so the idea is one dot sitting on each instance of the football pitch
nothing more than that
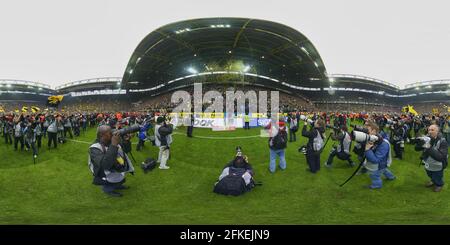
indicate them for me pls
(58, 189)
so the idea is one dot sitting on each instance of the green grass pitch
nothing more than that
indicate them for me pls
(58, 189)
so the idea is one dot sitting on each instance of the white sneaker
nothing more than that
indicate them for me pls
(35, 156)
(164, 167)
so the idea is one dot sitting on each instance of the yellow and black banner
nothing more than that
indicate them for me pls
(410, 109)
(54, 100)
(24, 109)
(35, 109)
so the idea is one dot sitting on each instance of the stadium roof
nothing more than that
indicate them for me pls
(200, 46)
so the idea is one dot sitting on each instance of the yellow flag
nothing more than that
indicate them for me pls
(24, 109)
(35, 109)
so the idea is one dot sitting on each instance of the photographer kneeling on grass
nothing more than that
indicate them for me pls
(108, 163)
(434, 156)
(378, 156)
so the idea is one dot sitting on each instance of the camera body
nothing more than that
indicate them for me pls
(420, 142)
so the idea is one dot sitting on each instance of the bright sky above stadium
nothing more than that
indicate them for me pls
(56, 42)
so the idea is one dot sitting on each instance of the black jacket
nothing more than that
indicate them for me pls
(311, 134)
(103, 161)
(438, 155)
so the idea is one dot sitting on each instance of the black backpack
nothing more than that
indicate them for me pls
(233, 184)
(149, 164)
(280, 140)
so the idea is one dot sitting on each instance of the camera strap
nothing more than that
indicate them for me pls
(354, 173)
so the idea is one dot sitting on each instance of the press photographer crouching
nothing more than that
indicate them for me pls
(342, 151)
(107, 161)
(434, 156)
(377, 154)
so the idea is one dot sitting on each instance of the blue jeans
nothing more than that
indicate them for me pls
(273, 158)
(437, 177)
(375, 176)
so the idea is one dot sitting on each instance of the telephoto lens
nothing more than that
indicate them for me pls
(129, 130)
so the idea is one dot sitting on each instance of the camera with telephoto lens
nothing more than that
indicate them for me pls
(421, 142)
(238, 151)
(359, 128)
(128, 130)
(304, 118)
(362, 137)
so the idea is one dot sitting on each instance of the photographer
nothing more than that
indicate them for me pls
(342, 151)
(8, 129)
(434, 156)
(30, 137)
(67, 124)
(236, 177)
(108, 163)
(293, 128)
(378, 157)
(163, 139)
(143, 135)
(315, 144)
(52, 131)
(397, 136)
(19, 126)
(277, 145)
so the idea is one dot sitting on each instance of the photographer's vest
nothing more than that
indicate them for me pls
(399, 134)
(29, 135)
(38, 129)
(112, 176)
(68, 123)
(345, 143)
(18, 132)
(430, 163)
(317, 142)
(52, 128)
(375, 166)
(158, 137)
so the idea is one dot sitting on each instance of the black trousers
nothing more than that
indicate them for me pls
(313, 160)
(397, 149)
(51, 137)
(8, 138)
(17, 140)
(341, 155)
(140, 145)
(292, 136)
(437, 177)
(189, 131)
(32, 145)
(39, 140)
(247, 125)
(76, 131)
(68, 130)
